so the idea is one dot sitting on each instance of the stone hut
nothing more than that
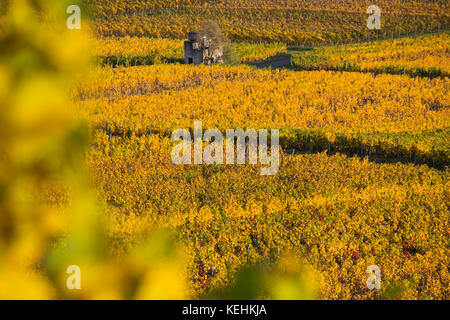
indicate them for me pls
(198, 49)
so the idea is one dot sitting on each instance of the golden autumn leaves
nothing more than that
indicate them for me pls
(343, 214)
(295, 22)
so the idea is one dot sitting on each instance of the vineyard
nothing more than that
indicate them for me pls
(293, 22)
(363, 179)
(424, 56)
(388, 116)
(135, 51)
(341, 213)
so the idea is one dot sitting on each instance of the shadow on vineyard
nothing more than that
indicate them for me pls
(430, 73)
(379, 148)
(134, 61)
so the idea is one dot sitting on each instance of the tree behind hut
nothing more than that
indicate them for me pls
(211, 31)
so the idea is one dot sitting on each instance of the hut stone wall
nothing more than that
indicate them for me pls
(198, 51)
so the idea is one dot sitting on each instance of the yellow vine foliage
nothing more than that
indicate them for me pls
(49, 217)
(425, 55)
(42, 147)
(300, 22)
(166, 97)
(341, 214)
(39, 140)
(315, 226)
